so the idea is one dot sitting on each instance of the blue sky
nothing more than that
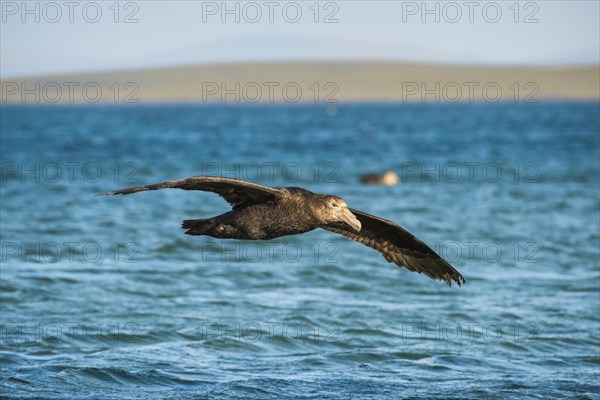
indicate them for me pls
(52, 37)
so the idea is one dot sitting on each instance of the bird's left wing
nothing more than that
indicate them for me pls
(235, 191)
(398, 246)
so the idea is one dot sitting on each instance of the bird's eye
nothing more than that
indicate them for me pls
(334, 204)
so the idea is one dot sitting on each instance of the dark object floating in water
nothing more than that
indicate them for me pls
(389, 178)
(260, 212)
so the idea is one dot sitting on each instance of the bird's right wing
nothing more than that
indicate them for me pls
(235, 191)
(398, 246)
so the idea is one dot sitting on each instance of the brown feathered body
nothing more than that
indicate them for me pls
(282, 216)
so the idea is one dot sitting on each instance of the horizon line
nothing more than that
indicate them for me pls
(307, 61)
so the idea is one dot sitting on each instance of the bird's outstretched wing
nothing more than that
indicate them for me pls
(236, 192)
(398, 246)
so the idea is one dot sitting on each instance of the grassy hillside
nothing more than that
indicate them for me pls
(320, 82)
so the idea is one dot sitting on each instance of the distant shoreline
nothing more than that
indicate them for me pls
(318, 82)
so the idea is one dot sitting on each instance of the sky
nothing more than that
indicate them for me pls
(47, 37)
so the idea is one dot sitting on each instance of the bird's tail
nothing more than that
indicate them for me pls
(197, 227)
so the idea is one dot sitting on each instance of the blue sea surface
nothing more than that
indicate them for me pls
(106, 298)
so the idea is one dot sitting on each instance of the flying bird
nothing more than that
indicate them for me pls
(263, 213)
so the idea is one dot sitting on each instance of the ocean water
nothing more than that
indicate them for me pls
(106, 298)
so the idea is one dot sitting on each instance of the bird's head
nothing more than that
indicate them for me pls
(333, 209)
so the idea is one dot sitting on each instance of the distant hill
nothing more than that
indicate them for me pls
(307, 82)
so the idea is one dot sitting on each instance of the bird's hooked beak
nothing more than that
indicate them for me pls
(350, 219)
